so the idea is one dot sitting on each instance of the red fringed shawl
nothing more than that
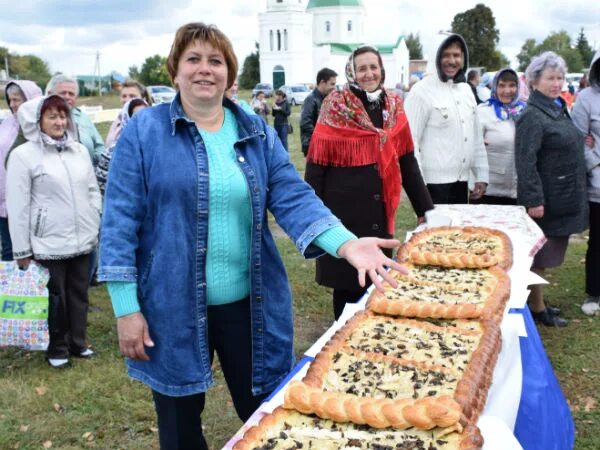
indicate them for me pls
(345, 137)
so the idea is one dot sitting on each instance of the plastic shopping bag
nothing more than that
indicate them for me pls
(23, 306)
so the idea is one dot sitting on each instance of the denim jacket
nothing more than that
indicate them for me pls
(155, 232)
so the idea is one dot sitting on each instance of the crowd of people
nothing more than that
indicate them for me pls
(179, 194)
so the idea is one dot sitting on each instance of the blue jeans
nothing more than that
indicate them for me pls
(282, 132)
(5, 240)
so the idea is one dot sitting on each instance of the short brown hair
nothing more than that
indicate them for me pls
(191, 32)
(130, 82)
(55, 102)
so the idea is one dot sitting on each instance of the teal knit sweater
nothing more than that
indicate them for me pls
(229, 225)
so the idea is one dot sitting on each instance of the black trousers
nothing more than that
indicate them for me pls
(592, 257)
(229, 333)
(341, 297)
(68, 305)
(448, 193)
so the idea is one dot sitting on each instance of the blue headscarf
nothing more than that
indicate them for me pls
(506, 111)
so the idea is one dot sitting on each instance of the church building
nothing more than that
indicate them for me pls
(299, 37)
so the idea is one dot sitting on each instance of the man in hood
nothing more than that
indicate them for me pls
(585, 116)
(446, 131)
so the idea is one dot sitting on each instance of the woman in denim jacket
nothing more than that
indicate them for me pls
(186, 250)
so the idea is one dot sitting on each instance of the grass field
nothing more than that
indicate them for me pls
(94, 404)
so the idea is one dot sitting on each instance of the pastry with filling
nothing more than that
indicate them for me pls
(290, 430)
(443, 293)
(401, 373)
(458, 247)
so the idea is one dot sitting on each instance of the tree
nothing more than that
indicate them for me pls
(250, 70)
(478, 27)
(558, 42)
(528, 51)
(583, 46)
(502, 59)
(415, 49)
(134, 72)
(26, 67)
(154, 71)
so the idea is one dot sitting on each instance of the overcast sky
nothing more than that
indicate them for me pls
(68, 33)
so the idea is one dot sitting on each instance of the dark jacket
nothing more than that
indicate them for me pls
(281, 115)
(551, 167)
(309, 116)
(474, 89)
(355, 196)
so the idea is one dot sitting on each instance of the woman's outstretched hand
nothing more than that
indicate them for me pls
(367, 258)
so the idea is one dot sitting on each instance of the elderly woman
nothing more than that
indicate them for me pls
(550, 170)
(586, 115)
(497, 117)
(186, 249)
(54, 207)
(17, 92)
(131, 89)
(86, 132)
(360, 155)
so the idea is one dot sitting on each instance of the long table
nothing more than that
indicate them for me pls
(526, 408)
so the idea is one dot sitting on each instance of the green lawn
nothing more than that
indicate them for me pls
(95, 405)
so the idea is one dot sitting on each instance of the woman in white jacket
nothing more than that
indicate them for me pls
(497, 118)
(54, 205)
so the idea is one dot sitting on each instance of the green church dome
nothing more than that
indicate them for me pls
(324, 3)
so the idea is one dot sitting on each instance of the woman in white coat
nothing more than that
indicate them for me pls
(53, 202)
(497, 117)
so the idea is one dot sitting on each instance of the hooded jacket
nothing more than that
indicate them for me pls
(446, 131)
(586, 116)
(499, 138)
(9, 132)
(52, 197)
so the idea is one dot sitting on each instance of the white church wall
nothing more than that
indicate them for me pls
(338, 19)
(285, 40)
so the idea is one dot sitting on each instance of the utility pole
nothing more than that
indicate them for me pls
(97, 73)
(6, 65)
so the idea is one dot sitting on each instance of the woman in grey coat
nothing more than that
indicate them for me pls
(550, 171)
(586, 115)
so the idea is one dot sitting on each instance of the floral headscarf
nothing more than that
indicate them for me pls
(506, 111)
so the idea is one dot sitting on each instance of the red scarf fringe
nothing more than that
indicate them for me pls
(354, 147)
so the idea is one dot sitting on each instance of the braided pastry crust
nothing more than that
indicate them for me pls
(342, 382)
(459, 247)
(425, 413)
(284, 429)
(440, 299)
